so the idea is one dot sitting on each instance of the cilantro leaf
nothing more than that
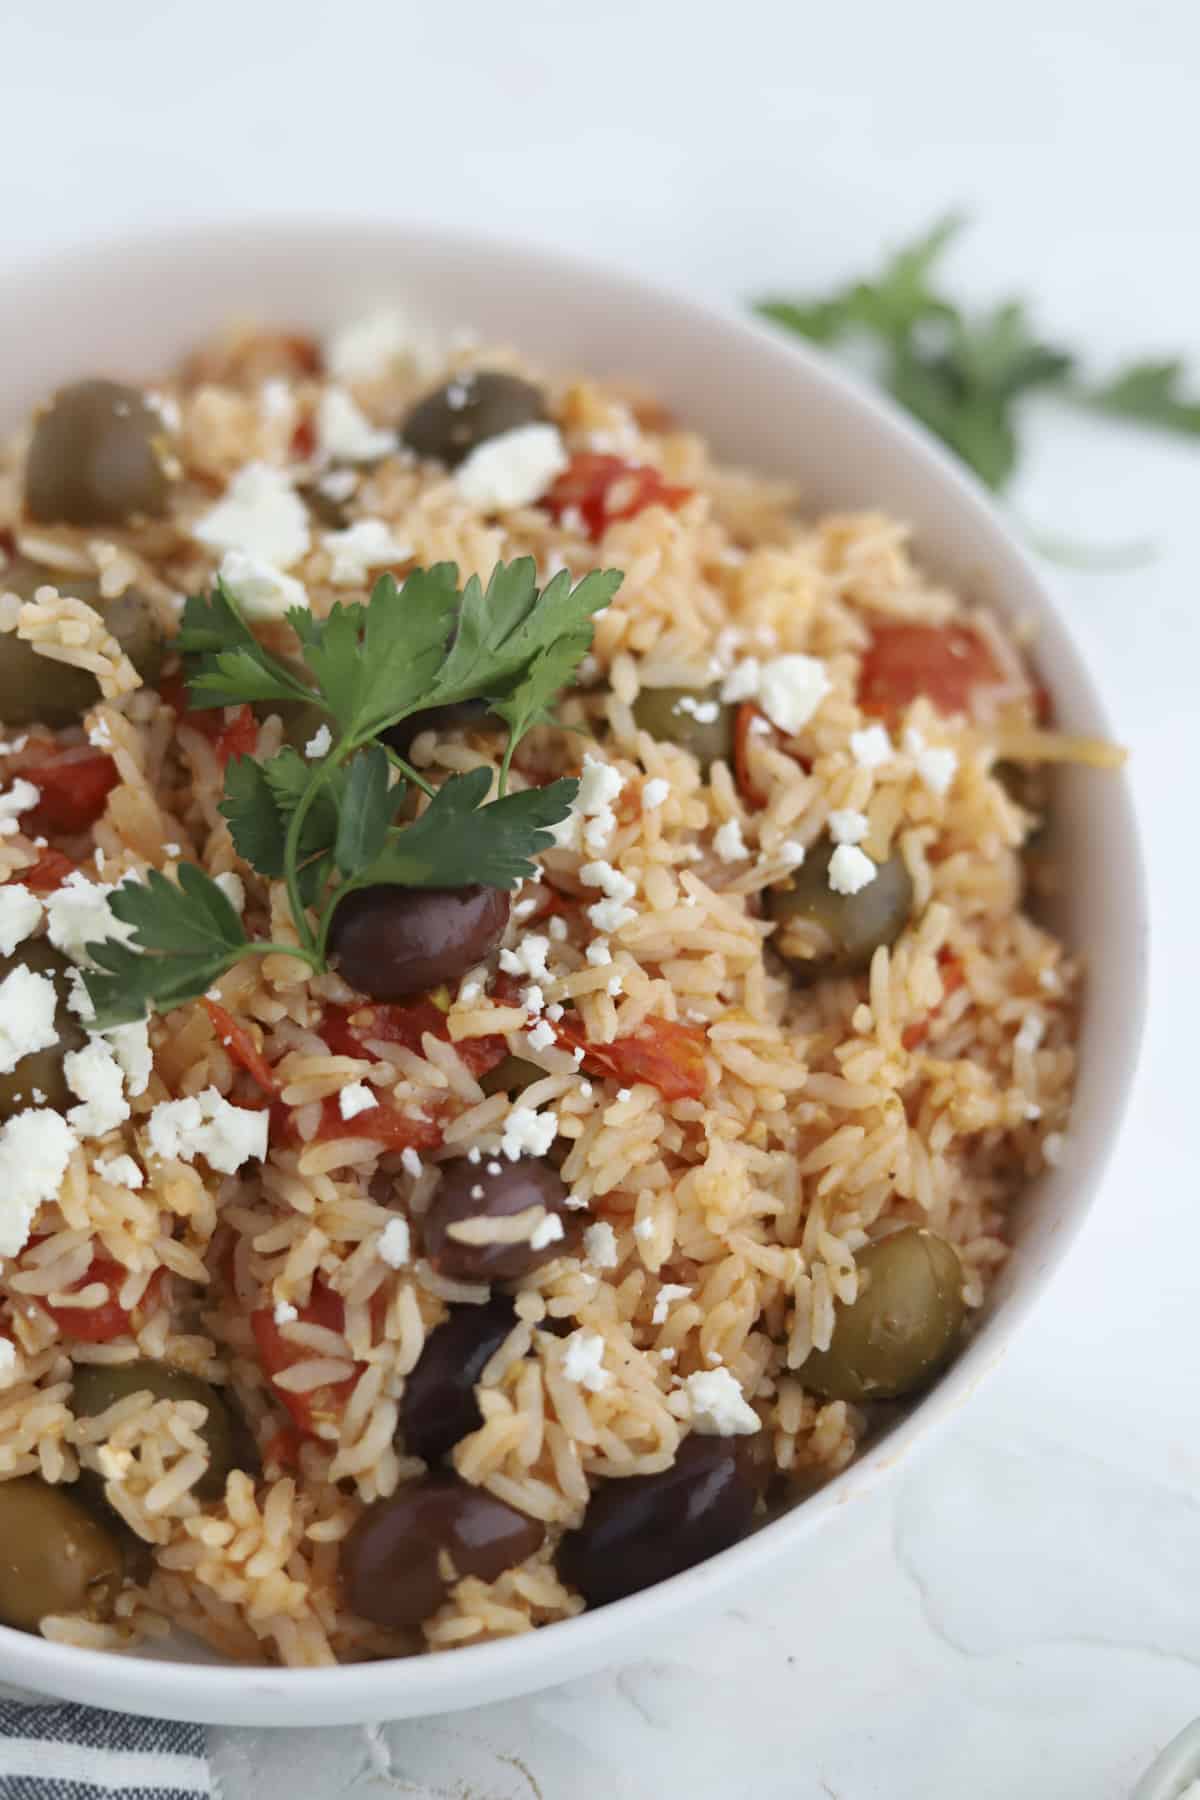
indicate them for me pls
(184, 939)
(232, 665)
(458, 840)
(1152, 393)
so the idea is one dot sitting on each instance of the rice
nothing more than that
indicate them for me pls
(926, 1089)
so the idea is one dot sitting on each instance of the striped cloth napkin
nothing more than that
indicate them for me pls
(52, 1751)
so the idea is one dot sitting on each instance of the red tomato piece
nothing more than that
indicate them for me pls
(46, 874)
(347, 1031)
(743, 729)
(74, 789)
(668, 1055)
(277, 1353)
(384, 1124)
(239, 1041)
(944, 662)
(100, 1324)
(587, 485)
(238, 735)
(953, 977)
(304, 438)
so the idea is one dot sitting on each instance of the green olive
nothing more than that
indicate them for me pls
(100, 1385)
(511, 1075)
(463, 413)
(54, 1556)
(35, 689)
(38, 1079)
(696, 719)
(901, 1328)
(821, 932)
(96, 458)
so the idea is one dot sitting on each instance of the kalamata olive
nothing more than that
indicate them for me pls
(901, 1328)
(822, 932)
(38, 1078)
(36, 689)
(391, 1560)
(460, 716)
(96, 457)
(54, 1556)
(467, 1193)
(644, 1528)
(439, 1405)
(390, 942)
(451, 421)
(100, 1385)
(511, 1075)
(696, 719)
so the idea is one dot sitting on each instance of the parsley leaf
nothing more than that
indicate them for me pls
(232, 665)
(458, 840)
(187, 936)
(1152, 393)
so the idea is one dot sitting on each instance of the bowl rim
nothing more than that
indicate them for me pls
(442, 1681)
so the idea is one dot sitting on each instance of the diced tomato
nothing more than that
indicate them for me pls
(944, 662)
(238, 736)
(346, 1031)
(668, 1055)
(99, 1324)
(46, 874)
(277, 1353)
(744, 728)
(283, 1448)
(383, 1124)
(209, 721)
(587, 485)
(74, 789)
(304, 438)
(953, 977)
(239, 1041)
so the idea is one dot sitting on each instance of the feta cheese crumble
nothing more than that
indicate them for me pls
(27, 1007)
(718, 1406)
(94, 1075)
(368, 348)
(654, 792)
(529, 958)
(600, 1245)
(121, 1171)
(344, 432)
(356, 1098)
(285, 1313)
(260, 589)
(395, 1244)
(21, 797)
(319, 744)
(547, 1231)
(542, 1035)
(847, 826)
(613, 911)
(259, 513)
(35, 1148)
(365, 545)
(850, 870)
(591, 820)
(207, 1125)
(528, 1133)
(583, 1361)
(729, 843)
(871, 747)
(78, 914)
(513, 469)
(788, 688)
(936, 765)
(703, 711)
(668, 1293)
(20, 914)
(598, 953)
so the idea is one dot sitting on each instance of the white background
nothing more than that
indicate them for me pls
(1022, 1615)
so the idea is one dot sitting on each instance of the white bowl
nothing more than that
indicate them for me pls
(764, 401)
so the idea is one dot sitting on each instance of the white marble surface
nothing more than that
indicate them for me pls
(1019, 1616)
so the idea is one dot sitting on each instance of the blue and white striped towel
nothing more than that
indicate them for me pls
(51, 1751)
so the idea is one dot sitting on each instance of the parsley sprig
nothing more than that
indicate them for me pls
(966, 374)
(329, 826)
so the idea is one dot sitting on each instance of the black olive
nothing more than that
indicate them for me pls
(468, 1192)
(645, 1528)
(439, 1405)
(511, 1075)
(391, 1562)
(451, 421)
(95, 458)
(390, 942)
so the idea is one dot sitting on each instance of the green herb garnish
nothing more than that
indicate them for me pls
(329, 827)
(965, 375)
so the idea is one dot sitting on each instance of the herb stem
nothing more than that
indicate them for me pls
(291, 850)
(409, 773)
